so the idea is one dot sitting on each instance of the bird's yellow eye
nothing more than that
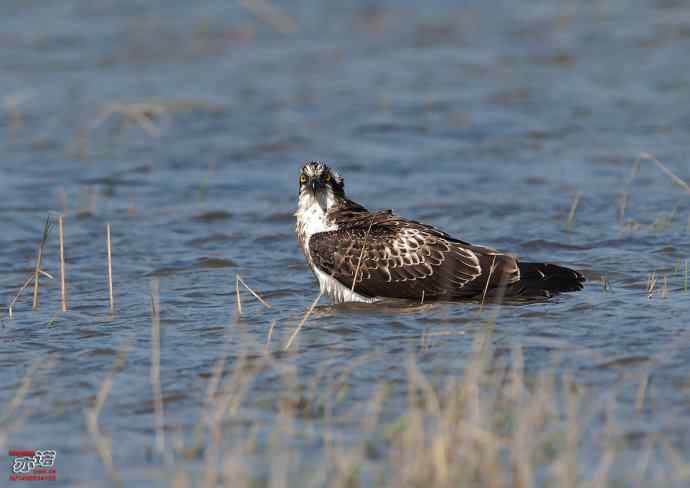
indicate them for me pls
(302, 178)
(326, 177)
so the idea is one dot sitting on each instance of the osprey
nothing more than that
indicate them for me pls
(362, 256)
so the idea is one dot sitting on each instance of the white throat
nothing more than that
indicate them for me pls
(312, 216)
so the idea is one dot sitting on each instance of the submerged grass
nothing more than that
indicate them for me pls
(663, 221)
(494, 425)
(39, 262)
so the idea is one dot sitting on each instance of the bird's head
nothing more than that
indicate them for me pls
(321, 182)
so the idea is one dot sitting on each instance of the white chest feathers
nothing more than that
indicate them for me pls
(336, 291)
(312, 219)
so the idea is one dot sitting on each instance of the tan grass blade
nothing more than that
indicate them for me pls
(63, 279)
(492, 268)
(304, 319)
(677, 180)
(571, 215)
(266, 12)
(102, 442)
(39, 262)
(361, 255)
(156, 366)
(256, 295)
(110, 268)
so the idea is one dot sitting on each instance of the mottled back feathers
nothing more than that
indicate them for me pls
(399, 258)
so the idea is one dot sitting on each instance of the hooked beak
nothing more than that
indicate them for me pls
(315, 184)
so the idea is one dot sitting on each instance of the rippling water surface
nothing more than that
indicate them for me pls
(486, 119)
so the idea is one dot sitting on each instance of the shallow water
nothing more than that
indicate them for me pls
(486, 125)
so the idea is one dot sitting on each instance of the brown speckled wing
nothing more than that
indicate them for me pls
(399, 258)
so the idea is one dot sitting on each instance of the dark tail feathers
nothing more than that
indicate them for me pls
(544, 279)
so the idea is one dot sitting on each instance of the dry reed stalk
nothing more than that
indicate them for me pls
(626, 192)
(141, 114)
(103, 443)
(473, 372)
(567, 464)
(93, 200)
(678, 181)
(238, 298)
(12, 416)
(238, 280)
(680, 466)
(268, 13)
(622, 206)
(651, 284)
(604, 283)
(517, 378)
(361, 255)
(445, 333)
(181, 479)
(634, 171)
(13, 405)
(643, 460)
(304, 319)
(131, 205)
(339, 385)
(601, 475)
(39, 262)
(270, 334)
(155, 366)
(571, 214)
(642, 393)
(328, 391)
(488, 280)
(522, 442)
(235, 471)
(213, 420)
(81, 144)
(109, 248)
(214, 382)
(10, 307)
(424, 346)
(234, 390)
(64, 201)
(486, 347)
(11, 103)
(63, 287)
(211, 389)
